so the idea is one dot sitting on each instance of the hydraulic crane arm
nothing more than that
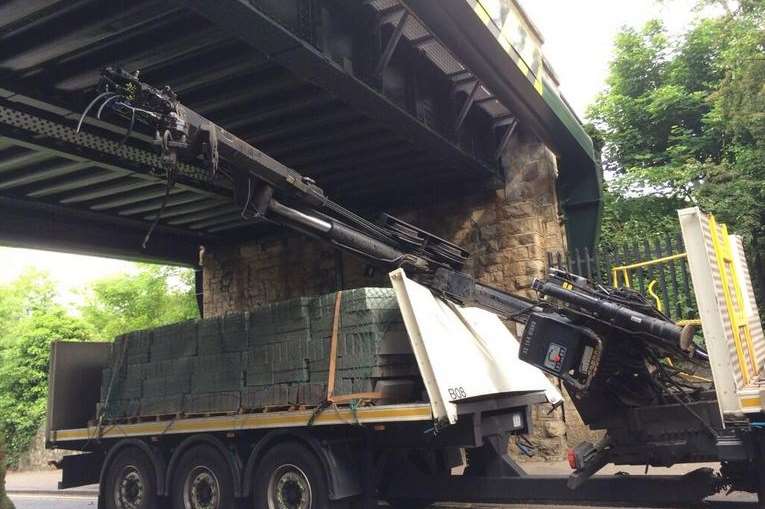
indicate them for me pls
(268, 190)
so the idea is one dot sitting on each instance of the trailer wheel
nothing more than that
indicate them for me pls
(202, 480)
(131, 482)
(290, 477)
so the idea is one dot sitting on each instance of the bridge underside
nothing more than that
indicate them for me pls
(359, 95)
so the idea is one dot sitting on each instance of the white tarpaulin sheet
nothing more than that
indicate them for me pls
(462, 352)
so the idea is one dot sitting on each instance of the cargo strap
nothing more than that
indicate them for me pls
(115, 373)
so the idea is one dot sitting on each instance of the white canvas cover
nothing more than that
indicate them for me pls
(462, 352)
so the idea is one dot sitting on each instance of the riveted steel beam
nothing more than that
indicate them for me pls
(140, 195)
(505, 140)
(156, 204)
(110, 189)
(183, 47)
(112, 25)
(245, 21)
(56, 138)
(18, 12)
(466, 106)
(85, 179)
(37, 225)
(29, 177)
(45, 201)
(187, 209)
(216, 221)
(538, 107)
(391, 45)
(214, 211)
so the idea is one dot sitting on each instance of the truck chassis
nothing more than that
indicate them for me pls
(347, 458)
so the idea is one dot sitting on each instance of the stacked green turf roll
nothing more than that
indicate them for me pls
(274, 355)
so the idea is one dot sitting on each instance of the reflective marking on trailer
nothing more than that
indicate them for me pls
(397, 413)
(750, 404)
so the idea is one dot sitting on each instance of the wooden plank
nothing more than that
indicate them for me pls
(333, 347)
(346, 398)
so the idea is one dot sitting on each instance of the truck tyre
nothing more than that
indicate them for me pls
(131, 482)
(202, 480)
(289, 476)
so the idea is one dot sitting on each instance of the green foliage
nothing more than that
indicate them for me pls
(630, 220)
(5, 502)
(152, 297)
(653, 115)
(30, 320)
(32, 292)
(683, 123)
(37, 321)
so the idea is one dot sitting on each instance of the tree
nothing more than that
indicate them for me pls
(24, 363)
(155, 296)
(30, 320)
(654, 112)
(5, 502)
(735, 187)
(631, 219)
(31, 292)
(683, 123)
(683, 120)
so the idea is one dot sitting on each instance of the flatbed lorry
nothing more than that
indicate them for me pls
(606, 345)
(302, 455)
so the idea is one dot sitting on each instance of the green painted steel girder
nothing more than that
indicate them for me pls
(466, 29)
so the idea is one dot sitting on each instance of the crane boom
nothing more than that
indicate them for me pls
(268, 190)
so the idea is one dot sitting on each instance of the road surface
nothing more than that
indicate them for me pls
(37, 490)
(70, 502)
(47, 502)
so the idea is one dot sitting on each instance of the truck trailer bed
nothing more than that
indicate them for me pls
(245, 422)
(467, 358)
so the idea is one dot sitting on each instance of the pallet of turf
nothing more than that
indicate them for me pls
(274, 355)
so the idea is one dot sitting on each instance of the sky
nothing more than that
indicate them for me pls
(70, 272)
(578, 42)
(579, 37)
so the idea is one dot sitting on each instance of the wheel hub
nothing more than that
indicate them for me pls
(202, 489)
(129, 492)
(289, 489)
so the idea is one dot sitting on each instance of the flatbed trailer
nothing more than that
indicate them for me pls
(389, 452)
(395, 431)
(333, 453)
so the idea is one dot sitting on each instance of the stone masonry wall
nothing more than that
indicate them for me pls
(508, 231)
(37, 457)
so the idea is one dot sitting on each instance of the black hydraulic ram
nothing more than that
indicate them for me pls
(453, 284)
(342, 235)
(617, 314)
